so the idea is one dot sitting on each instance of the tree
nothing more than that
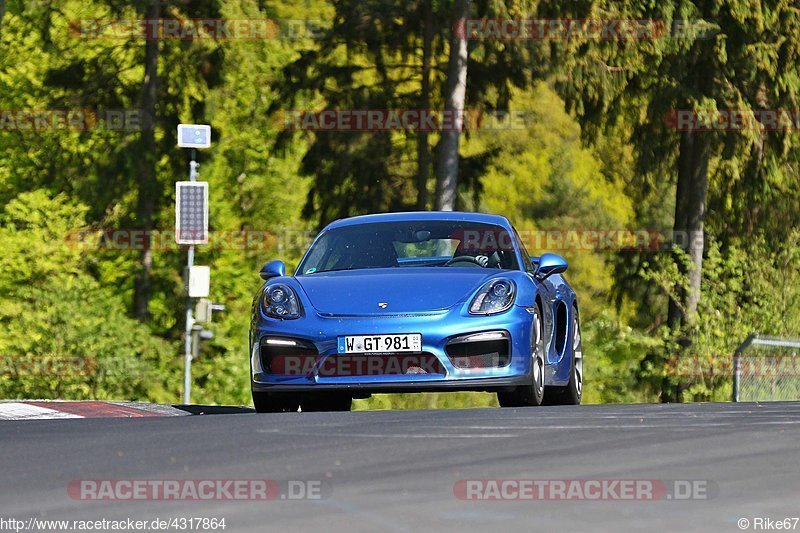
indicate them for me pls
(447, 165)
(733, 62)
(98, 169)
(147, 184)
(368, 60)
(386, 55)
(694, 152)
(423, 145)
(126, 168)
(58, 320)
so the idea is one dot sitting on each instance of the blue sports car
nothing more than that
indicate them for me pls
(415, 302)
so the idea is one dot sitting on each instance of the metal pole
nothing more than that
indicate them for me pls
(737, 376)
(737, 365)
(187, 357)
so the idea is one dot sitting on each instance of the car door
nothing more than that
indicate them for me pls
(548, 293)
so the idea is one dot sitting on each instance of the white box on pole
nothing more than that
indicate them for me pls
(194, 135)
(198, 283)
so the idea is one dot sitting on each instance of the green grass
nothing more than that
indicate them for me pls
(432, 400)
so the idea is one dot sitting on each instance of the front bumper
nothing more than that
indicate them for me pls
(437, 330)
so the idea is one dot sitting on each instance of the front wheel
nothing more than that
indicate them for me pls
(533, 394)
(573, 391)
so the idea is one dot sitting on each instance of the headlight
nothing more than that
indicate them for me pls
(280, 301)
(494, 297)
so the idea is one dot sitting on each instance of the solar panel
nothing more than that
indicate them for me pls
(191, 212)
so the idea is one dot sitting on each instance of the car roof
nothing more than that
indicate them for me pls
(413, 216)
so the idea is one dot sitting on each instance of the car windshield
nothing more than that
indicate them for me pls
(411, 244)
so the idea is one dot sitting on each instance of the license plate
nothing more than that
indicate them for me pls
(404, 342)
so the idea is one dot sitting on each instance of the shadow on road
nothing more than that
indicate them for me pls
(214, 409)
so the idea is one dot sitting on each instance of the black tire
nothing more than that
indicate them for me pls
(275, 402)
(326, 402)
(533, 394)
(572, 393)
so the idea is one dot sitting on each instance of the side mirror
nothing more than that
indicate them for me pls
(550, 264)
(273, 269)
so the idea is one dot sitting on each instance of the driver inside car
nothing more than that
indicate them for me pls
(481, 258)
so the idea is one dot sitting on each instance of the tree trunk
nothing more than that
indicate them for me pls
(690, 196)
(423, 150)
(146, 169)
(690, 208)
(695, 217)
(675, 311)
(447, 165)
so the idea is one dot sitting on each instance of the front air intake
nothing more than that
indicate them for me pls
(480, 350)
(287, 357)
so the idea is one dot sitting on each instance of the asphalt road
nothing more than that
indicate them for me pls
(395, 471)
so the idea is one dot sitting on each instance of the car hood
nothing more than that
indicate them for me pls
(403, 290)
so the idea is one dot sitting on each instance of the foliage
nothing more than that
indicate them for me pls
(64, 334)
(745, 291)
(593, 152)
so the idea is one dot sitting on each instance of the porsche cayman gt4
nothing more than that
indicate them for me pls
(415, 302)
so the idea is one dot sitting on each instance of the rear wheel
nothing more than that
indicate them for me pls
(326, 402)
(571, 393)
(533, 394)
(275, 402)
